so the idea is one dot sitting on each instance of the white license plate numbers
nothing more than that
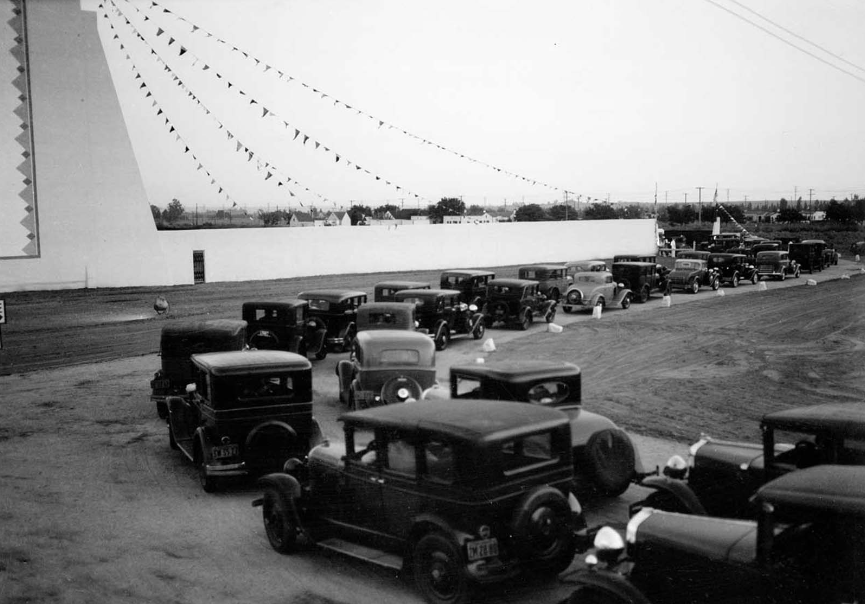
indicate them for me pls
(225, 451)
(161, 384)
(486, 548)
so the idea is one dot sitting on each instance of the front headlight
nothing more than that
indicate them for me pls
(676, 467)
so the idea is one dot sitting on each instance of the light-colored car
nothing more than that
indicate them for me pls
(595, 288)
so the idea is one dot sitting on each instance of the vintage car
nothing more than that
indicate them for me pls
(516, 302)
(337, 308)
(387, 315)
(733, 268)
(442, 315)
(773, 245)
(285, 325)
(244, 413)
(808, 254)
(605, 459)
(806, 546)
(471, 283)
(178, 342)
(458, 495)
(586, 266)
(723, 242)
(720, 476)
(690, 274)
(776, 265)
(386, 366)
(552, 279)
(830, 256)
(384, 291)
(595, 289)
(642, 278)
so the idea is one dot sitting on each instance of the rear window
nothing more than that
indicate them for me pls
(319, 305)
(382, 318)
(527, 453)
(399, 357)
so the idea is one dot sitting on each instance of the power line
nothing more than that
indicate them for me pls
(787, 42)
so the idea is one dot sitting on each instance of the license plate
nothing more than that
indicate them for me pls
(225, 451)
(486, 548)
(160, 384)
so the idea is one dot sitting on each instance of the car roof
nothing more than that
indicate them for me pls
(847, 419)
(513, 282)
(595, 275)
(519, 371)
(204, 328)
(478, 420)
(546, 267)
(634, 263)
(250, 361)
(331, 295)
(827, 488)
(371, 307)
(427, 293)
(284, 303)
(471, 272)
(771, 252)
(400, 337)
(403, 284)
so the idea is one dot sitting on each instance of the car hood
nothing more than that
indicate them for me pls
(718, 539)
(730, 454)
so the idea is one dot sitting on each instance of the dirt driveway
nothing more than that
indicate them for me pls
(96, 508)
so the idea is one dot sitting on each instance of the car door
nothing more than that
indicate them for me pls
(361, 498)
(401, 496)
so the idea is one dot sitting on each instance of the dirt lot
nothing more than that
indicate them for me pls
(96, 508)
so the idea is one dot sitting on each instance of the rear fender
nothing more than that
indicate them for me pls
(607, 582)
(282, 425)
(620, 295)
(286, 484)
(677, 489)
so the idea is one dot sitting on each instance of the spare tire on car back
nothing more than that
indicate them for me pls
(400, 389)
(610, 459)
(541, 526)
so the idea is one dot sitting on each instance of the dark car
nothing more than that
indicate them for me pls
(337, 308)
(442, 315)
(808, 254)
(723, 242)
(777, 265)
(458, 495)
(595, 288)
(384, 291)
(690, 274)
(387, 315)
(605, 460)
(245, 413)
(696, 254)
(806, 546)
(471, 283)
(586, 266)
(386, 366)
(178, 342)
(285, 325)
(552, 279)
(635, 258)
(721, 475)
(642, 278)
(516, 302)
(733, 268)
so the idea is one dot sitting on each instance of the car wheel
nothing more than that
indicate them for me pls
(479, 330)
(783, 276)
(264, 339)
(567, 309)
(322, 353)
(541, 526)
(162, 409)
(280, 521)
(172, 442)
(439, 570)
(695, 286)
(610, 461)
(208, 483)
(644, 295)
(551, 315)
(626, 302)
(734, 282)
(754, 278)
(797, 273)
(443, 337)
(601, 303)
(526, 320)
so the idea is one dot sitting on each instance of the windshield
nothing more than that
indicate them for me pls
(253, 390)
(399, 357)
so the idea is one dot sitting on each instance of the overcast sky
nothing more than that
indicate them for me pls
(529, 100)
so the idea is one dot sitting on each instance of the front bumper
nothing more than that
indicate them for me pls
(220, 470)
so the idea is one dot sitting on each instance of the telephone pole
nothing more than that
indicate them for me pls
(700, 207)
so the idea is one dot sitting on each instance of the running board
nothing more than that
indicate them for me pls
(376, 556)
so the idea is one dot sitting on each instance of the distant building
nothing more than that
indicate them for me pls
(338, 219)
(301, 219)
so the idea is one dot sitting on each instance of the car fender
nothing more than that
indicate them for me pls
(620, 295)
(607, 582)
(677, 489)
(286, 484)
(344, 373)
(424, 524)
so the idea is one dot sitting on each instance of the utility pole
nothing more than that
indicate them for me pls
(810, 193)
(656, 199)
(700, 207)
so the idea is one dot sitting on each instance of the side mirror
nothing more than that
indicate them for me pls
(190, 388)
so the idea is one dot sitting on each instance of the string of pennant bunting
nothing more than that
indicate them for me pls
(741, 228)
(266, 112)
(266, 168)
(282, 76)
